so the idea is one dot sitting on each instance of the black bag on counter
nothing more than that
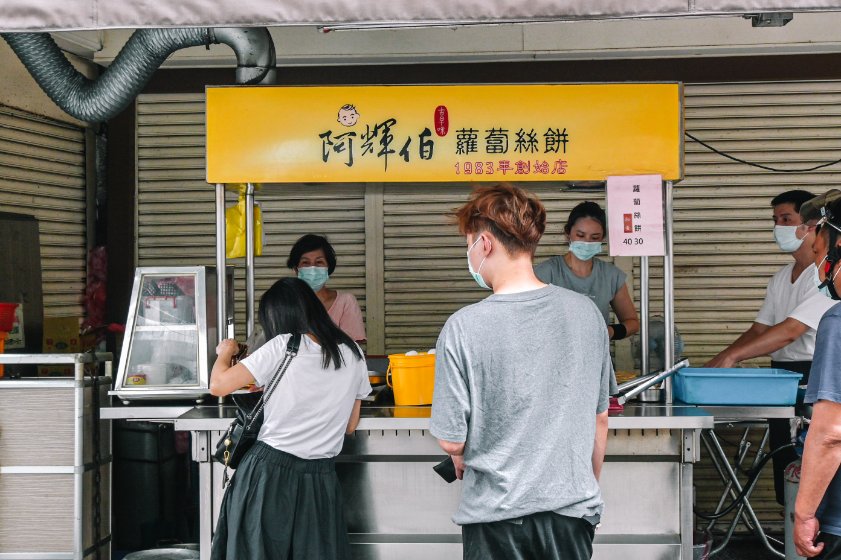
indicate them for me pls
(243, 431)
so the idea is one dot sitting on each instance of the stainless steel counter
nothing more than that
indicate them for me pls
(163, 414)
(397, 507)
(748, 413)
(634, 417)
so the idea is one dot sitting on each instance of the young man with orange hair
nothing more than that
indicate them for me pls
(521, 393)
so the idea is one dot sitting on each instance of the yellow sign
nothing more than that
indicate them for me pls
(578, 132)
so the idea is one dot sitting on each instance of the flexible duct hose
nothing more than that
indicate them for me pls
(101, 99)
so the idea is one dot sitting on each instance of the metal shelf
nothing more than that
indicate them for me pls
(172, 327)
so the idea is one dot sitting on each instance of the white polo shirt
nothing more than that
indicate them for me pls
(799, 300)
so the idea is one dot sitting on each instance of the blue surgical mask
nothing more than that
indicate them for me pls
(315, 276)
(585, 250)
(475, 273)
(786, 238)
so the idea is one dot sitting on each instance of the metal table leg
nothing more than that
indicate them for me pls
(740, 513)
(734, 487)
(201, 455)
(744, 446)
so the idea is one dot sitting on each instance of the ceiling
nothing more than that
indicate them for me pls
(68, 15)
(593, 39)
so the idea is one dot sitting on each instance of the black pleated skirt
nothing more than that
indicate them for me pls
(281, 507)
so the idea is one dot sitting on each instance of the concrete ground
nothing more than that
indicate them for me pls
(747, 548)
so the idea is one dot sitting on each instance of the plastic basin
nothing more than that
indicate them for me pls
(736, 386)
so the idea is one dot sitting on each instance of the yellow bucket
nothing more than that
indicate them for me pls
(411, 377)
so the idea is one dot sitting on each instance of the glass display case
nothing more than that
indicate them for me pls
(171, 334)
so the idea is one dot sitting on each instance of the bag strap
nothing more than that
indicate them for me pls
(291, 351)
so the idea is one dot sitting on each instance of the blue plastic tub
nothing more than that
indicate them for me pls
(736, 386)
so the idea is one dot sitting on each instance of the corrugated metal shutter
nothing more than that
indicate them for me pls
(42, 173)
(724, 250)
(426, 277)
(176, 207)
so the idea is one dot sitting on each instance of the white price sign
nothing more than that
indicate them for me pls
(635, 215)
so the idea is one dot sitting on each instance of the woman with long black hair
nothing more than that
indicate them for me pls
(284, 501)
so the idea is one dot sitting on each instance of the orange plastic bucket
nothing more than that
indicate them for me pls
(412, 378)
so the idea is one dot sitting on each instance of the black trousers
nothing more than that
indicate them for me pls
(540, 536)
(831, 547)
(780, 432)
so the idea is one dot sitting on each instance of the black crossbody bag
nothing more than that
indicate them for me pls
(243, 431)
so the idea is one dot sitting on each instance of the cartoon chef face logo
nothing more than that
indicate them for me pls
(348, 115)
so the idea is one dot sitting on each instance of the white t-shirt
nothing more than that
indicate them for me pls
(308, 412)
(801, 301)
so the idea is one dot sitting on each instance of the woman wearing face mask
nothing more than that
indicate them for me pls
(580, 271)
(313, 260)
(817, 511)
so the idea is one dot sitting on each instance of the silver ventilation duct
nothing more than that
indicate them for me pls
(101, 99)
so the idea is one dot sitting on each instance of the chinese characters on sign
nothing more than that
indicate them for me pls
(378, 140)
(635, 215)
(496, 141)
(515, 167)
(486, 152)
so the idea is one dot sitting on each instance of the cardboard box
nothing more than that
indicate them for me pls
(61, 336)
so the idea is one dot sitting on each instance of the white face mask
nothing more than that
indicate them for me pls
(786, 238)
(823, 286)
(476, 273)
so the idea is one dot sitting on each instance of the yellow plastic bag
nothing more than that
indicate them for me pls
(235, 229)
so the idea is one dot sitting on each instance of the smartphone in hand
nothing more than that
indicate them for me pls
(446, 469)
(242, 351)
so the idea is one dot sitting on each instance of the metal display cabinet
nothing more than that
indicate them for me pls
(55, 469)
(171, 334)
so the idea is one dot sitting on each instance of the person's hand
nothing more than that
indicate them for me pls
(227, 347)
(254, 388)
(458, 461)
(722, 360)
(805, 532)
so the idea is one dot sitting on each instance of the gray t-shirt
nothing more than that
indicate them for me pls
(520, 378)
(601, 286)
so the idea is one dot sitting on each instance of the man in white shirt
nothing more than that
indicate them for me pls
(786, 324)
